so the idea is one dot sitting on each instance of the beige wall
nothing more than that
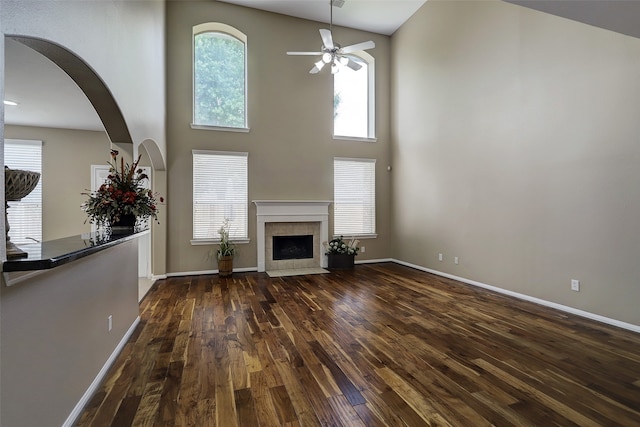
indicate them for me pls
(515, 148)
(123, 41)
(55, 337)
(290, 145)
(67, 156)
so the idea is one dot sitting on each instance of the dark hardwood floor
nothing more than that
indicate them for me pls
(382, 345)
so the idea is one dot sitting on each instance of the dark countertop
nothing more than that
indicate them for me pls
(54, 253)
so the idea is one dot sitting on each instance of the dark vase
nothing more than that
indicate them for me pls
(341, 261)
(126, 225)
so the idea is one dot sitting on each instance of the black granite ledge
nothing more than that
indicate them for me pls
(54, 253)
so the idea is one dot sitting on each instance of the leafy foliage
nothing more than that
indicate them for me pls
(219, 80)
(339, 246)
(122, 194)
(227, 247)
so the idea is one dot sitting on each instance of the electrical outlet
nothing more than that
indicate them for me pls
(575, 285)
(439, 257)
(363, 249)
(455, 260)
(110, 322)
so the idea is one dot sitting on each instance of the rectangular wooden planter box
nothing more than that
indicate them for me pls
(340, 261)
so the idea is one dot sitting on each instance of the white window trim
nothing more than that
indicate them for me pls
(219, 128)
(357, 236)
(234, 32)
(371, 107)
(208, 240)
(354, 138)
(203, 242)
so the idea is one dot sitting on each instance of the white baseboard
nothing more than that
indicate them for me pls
(374, 261)
(73, 416)
(196, 273)
(249, 269)
(567, 309)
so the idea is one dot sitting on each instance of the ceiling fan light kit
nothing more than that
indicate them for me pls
(332, 53)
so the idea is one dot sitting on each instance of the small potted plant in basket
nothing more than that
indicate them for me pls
(225, 251)
(341, 254)
(122, 200)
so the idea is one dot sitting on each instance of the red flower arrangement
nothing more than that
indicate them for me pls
(121, 195)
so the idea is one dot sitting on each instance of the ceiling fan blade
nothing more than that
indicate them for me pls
(317, 67)
(327, 39)
(358, 46)
(353, 65)
(304, 53)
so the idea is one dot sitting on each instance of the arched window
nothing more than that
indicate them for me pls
(219, 77)
(354, 99)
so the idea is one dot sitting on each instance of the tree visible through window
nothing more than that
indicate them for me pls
(219, 76)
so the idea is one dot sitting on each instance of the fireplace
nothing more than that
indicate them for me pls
(292, 247)
(291, 218)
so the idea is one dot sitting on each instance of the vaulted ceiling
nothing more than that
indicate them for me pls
(49, 98)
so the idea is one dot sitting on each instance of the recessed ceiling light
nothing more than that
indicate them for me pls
(12, 103)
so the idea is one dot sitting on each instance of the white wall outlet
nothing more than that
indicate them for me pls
(439, 257)
(455, 260)
(575, 285)
(363, 249)
(110, 322)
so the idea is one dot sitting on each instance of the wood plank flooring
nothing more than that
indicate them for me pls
(382, 345)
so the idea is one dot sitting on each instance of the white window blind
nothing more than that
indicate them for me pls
(25, 216)
(219, 193)
(354, 196)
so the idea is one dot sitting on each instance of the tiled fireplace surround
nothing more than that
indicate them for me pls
(291, 218)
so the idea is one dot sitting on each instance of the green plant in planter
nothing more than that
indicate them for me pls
(339, 246)
(227, 247)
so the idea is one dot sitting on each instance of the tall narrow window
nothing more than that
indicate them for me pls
(353, 99)
(220, 193)
(219, 76)
(354, 196)
(25, 216)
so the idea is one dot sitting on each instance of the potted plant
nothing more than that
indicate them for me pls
(341, 254)
(122, 199)
(225, 251)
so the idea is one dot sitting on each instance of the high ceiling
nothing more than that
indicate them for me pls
(377, 16)
(49, 98)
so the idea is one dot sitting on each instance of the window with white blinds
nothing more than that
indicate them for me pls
(220, 192)
(354, 196)
(25, 216)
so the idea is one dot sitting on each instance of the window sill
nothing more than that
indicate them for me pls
(202, 242)
(354, 138)
(357, 236)
(219, 128)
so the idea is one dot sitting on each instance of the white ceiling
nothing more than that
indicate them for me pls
(49, 98)
(46, 95)
(377, 16)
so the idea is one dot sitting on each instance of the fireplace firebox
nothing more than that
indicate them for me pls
(292, 247)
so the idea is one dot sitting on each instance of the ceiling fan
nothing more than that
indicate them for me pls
(332, 53)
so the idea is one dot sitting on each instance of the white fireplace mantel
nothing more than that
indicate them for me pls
(291, 211)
